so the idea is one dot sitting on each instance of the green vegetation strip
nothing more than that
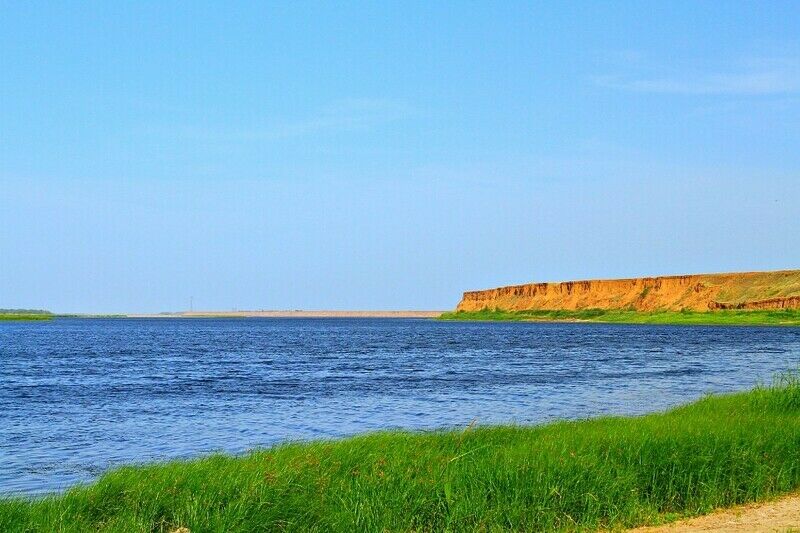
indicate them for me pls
(24, 316)
(787, 317)
(582, 475)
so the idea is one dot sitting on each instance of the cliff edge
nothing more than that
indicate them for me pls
(696, 292)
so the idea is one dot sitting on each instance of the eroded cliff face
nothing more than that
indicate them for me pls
(700, 292)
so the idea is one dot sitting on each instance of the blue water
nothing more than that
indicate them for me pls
(78, 396)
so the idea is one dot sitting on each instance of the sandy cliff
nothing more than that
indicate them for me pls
(698, 292)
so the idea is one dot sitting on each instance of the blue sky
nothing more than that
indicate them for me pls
(388, 155)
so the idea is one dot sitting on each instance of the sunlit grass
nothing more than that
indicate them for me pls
(24, 316)
(783, 317)
(585, 475)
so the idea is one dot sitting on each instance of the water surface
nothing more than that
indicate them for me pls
(78, 396)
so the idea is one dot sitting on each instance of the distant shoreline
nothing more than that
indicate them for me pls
(290, 314)
(736, 291)
(24, 317)
(783, 317)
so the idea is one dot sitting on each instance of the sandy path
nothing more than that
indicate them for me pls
(780, 515)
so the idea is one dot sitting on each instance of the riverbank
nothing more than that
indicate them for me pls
(785, 317)
(291, 314)
(603, 473)
(233, 314)
(748, 291)
(9, 317)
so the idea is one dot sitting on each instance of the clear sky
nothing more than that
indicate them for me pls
(388, 155)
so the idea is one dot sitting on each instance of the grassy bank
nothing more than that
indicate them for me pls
(25, 316)
(609, 472)
(787, 317)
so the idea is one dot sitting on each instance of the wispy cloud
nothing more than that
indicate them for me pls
(350, 114)
(341, 116)
(752, 77)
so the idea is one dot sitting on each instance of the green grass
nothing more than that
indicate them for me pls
(787, 317)
(67, 315)
(25, 316)
(581, 475)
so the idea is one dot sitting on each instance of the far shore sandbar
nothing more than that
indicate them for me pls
(290, 314)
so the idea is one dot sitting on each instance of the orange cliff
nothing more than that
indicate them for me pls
(697, 292)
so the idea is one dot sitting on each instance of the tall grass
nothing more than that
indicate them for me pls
(781, 317)
(580, 475)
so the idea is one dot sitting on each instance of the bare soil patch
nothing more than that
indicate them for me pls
(781, 515)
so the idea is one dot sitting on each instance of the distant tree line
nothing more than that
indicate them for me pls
(24, 312)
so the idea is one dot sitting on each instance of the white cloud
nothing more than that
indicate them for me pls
(753, 77)
(350, 114)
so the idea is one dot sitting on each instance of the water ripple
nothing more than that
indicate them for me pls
(80, 396)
